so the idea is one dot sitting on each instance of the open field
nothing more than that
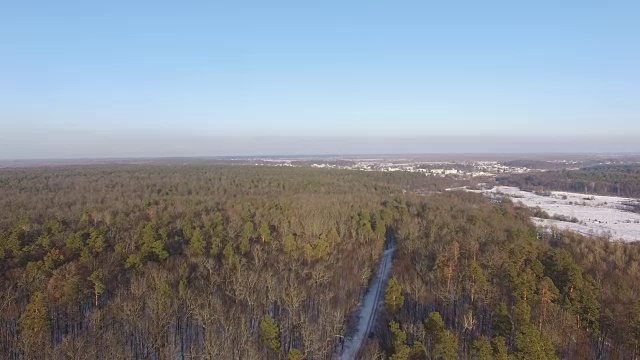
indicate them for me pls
(595, 215)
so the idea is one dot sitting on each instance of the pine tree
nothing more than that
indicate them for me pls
(271, 334)
(248, 231)
(265, 233)
(500, 352)
(244, 246)
(445, 343)
(481, 349)
(322, 249)
(522, 312)
(434, 325)
(152, 245)
(98, 285)
(502, 325)
(197, 244)
(333, 238)
(309, 253)
(35, 326)
(295, 354)
(245, 239)
(53, 259)
(401, 350)
(393, 298)
(446, 347)
(216, 245)
(229, 255)
(547, 293)
(381, 230)
(96, 241)
(530, 343)
(477, 282)
(74, 242)
(289, 244)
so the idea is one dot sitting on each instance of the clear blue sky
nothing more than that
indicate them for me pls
(123, 78)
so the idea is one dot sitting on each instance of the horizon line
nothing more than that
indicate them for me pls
(325, 155)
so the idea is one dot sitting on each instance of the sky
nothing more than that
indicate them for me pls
(82, 79)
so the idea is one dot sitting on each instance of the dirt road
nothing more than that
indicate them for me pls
(369, 308)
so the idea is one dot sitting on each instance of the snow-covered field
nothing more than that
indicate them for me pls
(596, 215)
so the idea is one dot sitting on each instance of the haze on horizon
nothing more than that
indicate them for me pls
(154, 79)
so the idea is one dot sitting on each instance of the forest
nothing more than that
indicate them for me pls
(203, 261)
(614, 180)
(475, 280)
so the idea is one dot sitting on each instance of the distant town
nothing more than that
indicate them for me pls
(454, 168)
(442, 169)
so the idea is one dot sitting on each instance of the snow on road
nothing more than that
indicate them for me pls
(596, 215)
(368, 308)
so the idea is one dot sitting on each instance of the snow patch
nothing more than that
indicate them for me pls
(596, 215)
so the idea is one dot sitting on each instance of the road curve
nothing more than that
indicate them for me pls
(371, 303)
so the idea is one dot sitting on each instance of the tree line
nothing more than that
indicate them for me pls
(615, 180)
